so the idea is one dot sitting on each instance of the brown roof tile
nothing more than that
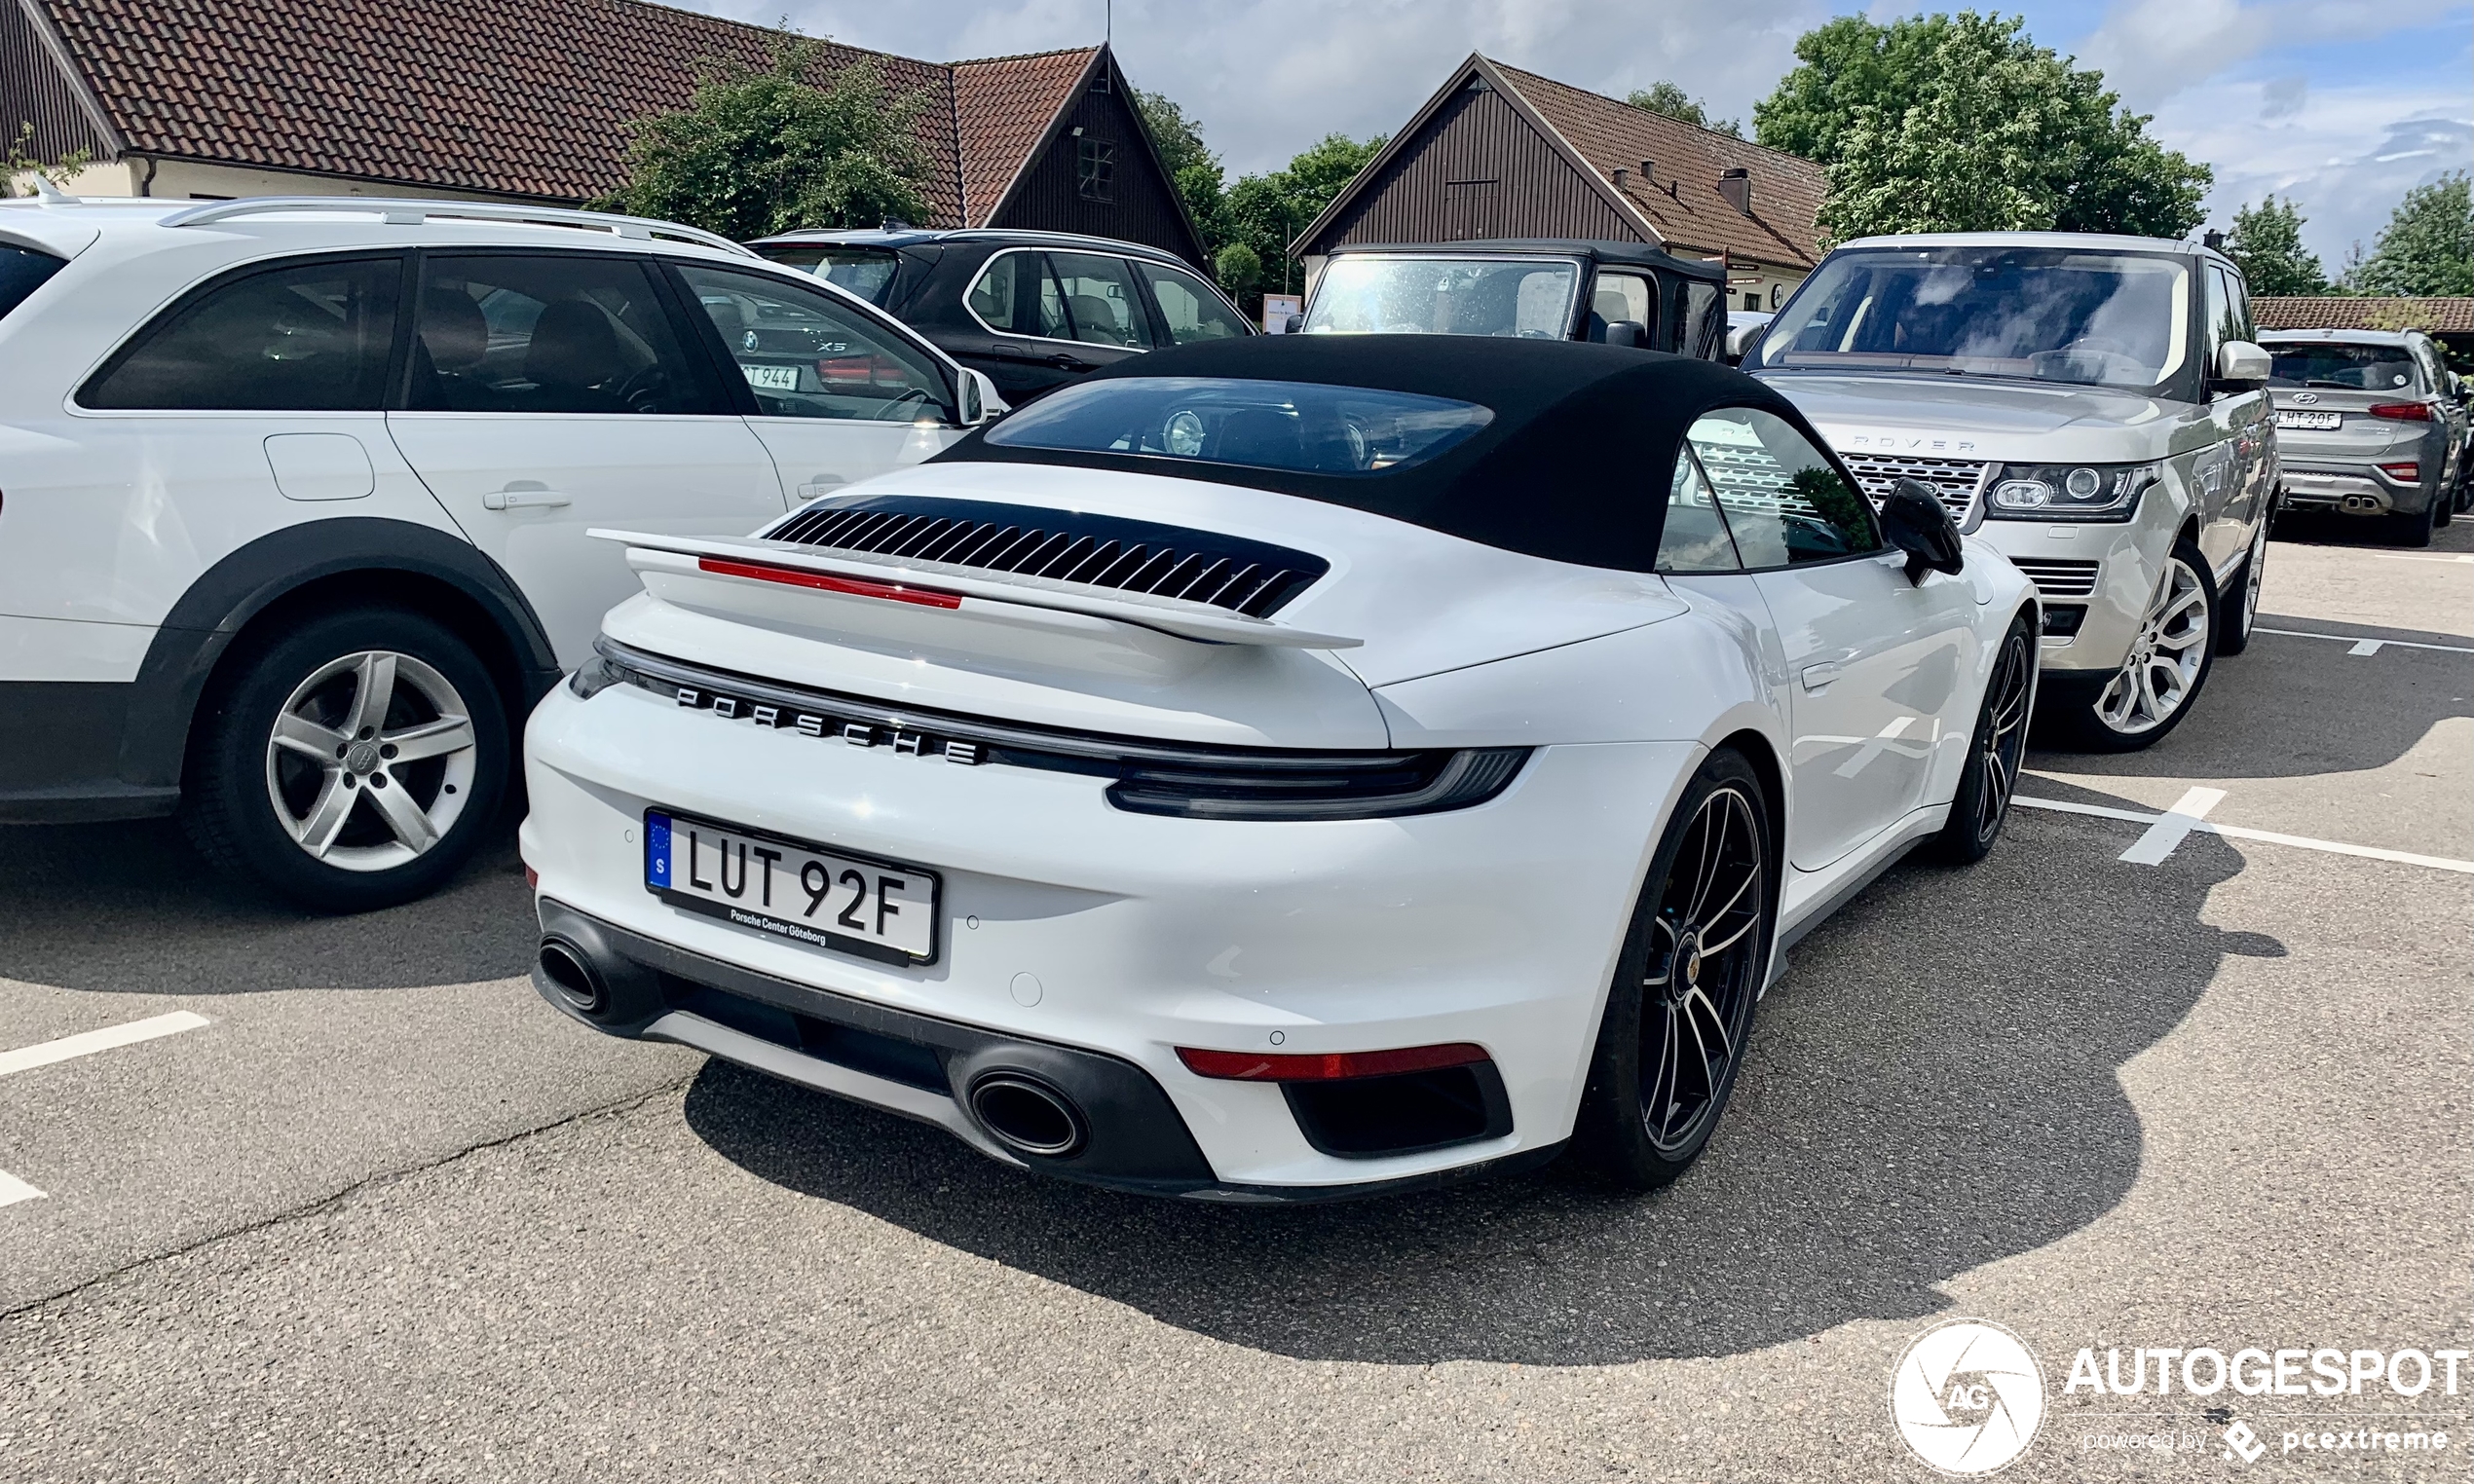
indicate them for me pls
(525, 98)
(1002, 106)
(2434, 317)
(1608, 133)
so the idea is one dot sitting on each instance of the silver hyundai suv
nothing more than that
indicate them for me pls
(2092, 406)
(2371, 423)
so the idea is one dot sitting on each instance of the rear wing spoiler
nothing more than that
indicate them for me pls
(850, 575)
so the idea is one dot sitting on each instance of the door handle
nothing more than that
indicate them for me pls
(1063, 362)
(1817, 677)
(518, 499)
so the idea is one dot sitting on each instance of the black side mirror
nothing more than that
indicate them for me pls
(1295, 324)
(1918, 524)
(1627, 332)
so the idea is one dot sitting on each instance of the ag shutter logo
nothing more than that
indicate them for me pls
(1967, 1396)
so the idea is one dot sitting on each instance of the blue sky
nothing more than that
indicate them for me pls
(2343, 104)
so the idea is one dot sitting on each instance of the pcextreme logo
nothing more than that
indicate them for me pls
(1967, 1396)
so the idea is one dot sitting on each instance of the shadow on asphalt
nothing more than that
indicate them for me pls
(1932, 1088)
(131, 909)
(2289, 707)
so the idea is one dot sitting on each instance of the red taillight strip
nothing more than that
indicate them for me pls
(2402, 411)
(1329, 1066)
(857, 587)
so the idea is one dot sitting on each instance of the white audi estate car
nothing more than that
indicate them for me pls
(1279, 768)
(2091, 406)
(295, 498)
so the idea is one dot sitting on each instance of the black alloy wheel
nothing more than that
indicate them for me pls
(1992, 774)
(1693, 964)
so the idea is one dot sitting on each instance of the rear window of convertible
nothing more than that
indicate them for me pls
(1298, 426)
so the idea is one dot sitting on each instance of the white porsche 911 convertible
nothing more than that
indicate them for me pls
(1279, 770)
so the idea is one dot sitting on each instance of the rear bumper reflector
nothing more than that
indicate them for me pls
(1329, 1066)
(857, 587)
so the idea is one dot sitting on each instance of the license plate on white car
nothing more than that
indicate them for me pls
(2319, 419)
(805, 893)
(773, 378)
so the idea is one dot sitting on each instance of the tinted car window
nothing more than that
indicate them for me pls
(1101, 301)
(1191, 310)
(867, 272)
(1705, 319)
(22, 271)
(2335, 363)
(1383, 295)
(303, 337)
(549, 333)
(1622, 296)
(1303, 426)
(806, 355)
(1017, 295)
(1785, 502)
(1696, 538)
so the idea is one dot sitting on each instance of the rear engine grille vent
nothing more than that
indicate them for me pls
(1226, 571)
(2059, 580)
(1952, 479)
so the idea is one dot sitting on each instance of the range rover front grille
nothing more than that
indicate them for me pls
(2059, 579)
(1226, 571)
(1955, 480)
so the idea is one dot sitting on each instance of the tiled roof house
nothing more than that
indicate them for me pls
(1500, 152)
(525, 101)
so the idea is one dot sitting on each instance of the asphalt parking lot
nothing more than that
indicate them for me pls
(369, 1210)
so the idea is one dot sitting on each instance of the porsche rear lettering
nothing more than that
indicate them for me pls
(903, 741)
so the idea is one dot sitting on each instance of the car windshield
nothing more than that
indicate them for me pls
(1384, 295)
(2332, 363)
(2049, 315)
(867, 272)
(1298, 426)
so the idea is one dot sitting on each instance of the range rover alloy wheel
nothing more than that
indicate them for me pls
(2235, 635)
(2167, 664)
(1673, 1036)
(353, 762)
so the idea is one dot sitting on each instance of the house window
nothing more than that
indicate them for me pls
(1095, 169)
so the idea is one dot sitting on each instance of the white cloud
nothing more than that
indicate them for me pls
(2151, 50)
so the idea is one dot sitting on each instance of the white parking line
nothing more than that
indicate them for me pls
(2265, 837)
(2399, 556)
(14, 1190)
(2172, 826)
(2371, 646)
(44, 1054)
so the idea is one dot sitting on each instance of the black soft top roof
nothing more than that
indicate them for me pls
(1575, 466)
(1633, 254)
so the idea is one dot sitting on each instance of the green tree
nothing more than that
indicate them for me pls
(761, 151)
(1962, 123)
(22, 162)
(1266, 211)
(1665, 97)
(1238, 269)
(1191, 166)
(2427, 249)
(2266, 241)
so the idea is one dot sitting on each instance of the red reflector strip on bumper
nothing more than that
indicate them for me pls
(1330, 1066)
(2402, 473)
(857, 587)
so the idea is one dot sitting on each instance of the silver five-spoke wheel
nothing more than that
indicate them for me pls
(1698, 985)
(2166, 659)
(371, 761)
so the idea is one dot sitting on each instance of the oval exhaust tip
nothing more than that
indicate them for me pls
(1027, 1115)
(571, 975)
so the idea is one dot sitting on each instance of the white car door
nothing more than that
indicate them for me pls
(1874, 662)
(841, 395)
(550, 393)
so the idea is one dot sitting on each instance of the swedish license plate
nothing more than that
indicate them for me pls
(2319, 420)
(822, 898)
(773, 378)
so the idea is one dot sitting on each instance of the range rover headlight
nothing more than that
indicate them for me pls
(2066, 491)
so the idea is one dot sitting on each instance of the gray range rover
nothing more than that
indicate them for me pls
(2091, 406)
